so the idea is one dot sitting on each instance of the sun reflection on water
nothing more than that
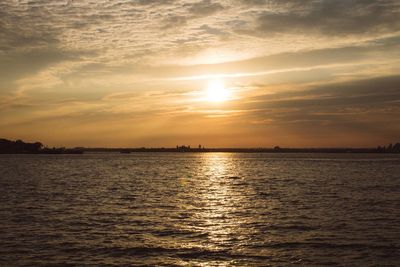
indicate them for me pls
(214, 206)
(220, 200)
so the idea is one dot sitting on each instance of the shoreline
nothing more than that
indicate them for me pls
(213, 150)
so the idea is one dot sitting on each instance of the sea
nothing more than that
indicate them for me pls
(200, 209)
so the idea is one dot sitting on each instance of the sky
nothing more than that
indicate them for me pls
(229, 73)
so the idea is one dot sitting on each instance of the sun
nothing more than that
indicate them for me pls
(216, 91)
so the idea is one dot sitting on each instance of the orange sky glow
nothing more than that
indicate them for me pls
(230, 73)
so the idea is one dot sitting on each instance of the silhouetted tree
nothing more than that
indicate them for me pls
(396, 148)
(389, 148)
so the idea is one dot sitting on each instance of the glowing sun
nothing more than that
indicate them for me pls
(216, 91)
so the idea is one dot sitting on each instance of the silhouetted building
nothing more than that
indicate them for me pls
(183, 148)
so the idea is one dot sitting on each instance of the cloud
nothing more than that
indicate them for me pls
(204, 8)
(174, 22)
(359, 55)
(252, 2)
(352, 113)
(349, 100)
(213, 31)
(195, 10)
(147, 58)
(330, 17)
(154, 2)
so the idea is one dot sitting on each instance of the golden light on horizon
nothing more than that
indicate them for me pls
(226, 73)
(217, 92)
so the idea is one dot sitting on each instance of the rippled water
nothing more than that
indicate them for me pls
(200, 209)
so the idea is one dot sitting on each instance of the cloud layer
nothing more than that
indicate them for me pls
(303, 72)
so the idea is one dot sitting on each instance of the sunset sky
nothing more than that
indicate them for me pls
(230, 73)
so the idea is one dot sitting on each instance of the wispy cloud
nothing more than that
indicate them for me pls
(329, 66)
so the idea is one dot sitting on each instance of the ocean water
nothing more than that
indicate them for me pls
(211, 209)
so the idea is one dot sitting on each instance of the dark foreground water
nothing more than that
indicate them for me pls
(200, 209)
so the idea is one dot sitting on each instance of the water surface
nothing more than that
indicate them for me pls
(211, 209)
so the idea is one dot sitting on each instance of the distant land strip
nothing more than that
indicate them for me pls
(21, 147)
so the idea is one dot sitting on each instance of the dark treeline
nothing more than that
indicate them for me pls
(20, 147)
(7, 146)
(385, 149)
(389, 149)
